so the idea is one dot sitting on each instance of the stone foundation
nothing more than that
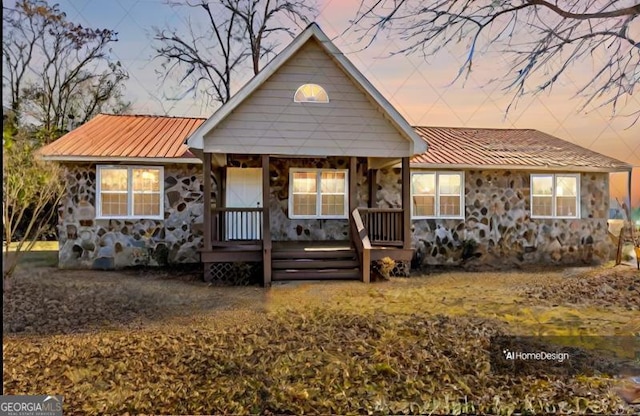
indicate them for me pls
(86, 242)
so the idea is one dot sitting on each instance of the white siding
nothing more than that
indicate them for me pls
(270, 122)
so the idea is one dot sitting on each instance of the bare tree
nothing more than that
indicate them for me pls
(257, 17)
(543, 38)
(54, 68)
(205, 61)
(31, 188)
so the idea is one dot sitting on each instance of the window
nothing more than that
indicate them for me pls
(318, 193)
(130, 192)
(554, 195)
(310, 93)
(437, 194)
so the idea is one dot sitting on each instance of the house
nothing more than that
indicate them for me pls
(308, 172)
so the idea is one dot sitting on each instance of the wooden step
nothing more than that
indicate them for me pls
(314, 254)
(316, 274)
(314, 264)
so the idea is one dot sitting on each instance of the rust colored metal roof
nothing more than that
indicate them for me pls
(121, 137)
(524, 148)
(125, 136)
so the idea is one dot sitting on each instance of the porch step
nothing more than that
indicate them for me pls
(315, 263)
(345, 253)
(318, 274)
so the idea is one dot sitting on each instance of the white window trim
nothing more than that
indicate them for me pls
(318, 173)
(129, 168)
(553, 195)
(437, 202)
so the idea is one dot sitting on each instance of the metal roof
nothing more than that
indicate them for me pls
(125, 137)
(162, 139)
(507, 148)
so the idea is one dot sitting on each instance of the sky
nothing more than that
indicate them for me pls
(422, 91)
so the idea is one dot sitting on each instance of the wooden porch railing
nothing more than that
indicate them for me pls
(384, 225)
(363, 245)
(236, 224)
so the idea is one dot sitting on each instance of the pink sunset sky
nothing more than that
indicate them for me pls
(421, 90)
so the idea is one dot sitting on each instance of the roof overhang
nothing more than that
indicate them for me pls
(521, 167)
(111, 159)
(417, 144)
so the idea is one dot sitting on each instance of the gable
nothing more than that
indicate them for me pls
(263, 117)
(269, 121)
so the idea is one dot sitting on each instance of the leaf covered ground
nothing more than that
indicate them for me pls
(617, 286)
(153, 344)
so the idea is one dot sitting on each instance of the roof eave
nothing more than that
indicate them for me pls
(111, 159)
(463, 166)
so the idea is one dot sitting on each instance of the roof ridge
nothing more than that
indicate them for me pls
(580, 146)
(476, 128)
(152, 116)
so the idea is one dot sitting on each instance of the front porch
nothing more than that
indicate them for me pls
(309, 248)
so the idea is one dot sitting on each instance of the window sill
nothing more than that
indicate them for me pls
(554, 218)
(315, 217)
(129, 218)
(438, 218)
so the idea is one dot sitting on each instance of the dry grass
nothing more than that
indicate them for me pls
(541, 302)
(503, 296)
(38, 246)
(163, 341)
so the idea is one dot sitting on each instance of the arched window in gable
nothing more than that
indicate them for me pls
(311, 93)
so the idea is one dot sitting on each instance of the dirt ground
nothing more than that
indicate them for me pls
(46, 300)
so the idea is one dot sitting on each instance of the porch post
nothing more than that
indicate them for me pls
(218, 218)
(406, 203)
(266, 223)
(372, 176)
(222, 218)
(222, 187)
(206, 171)
(218, 176)
(353, 181)
(353, 184)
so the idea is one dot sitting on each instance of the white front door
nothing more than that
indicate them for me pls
(244, 190)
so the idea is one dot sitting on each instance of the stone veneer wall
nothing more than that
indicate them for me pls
(497, 219)
(284, 228)
(86, 242)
